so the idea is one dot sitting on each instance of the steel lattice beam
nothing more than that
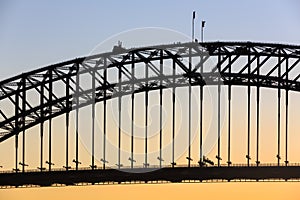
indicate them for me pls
(229, 53)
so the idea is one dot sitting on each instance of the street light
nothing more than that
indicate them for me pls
(93, 166)
(132, 161)
(48, 163)
(160, 159)
(67, 168)
(104, 161)
(201, 163)
(16, 170)
(119, 165)
(76, 161)
(207, 160)
(23, 164)
(173, 164)
(146, 165)
(42, 169)
(189, 158)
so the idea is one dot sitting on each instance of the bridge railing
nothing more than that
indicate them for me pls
(154, 167)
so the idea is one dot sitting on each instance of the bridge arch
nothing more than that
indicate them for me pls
(113, 75)
(228, 54)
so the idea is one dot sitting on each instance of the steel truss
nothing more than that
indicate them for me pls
(234, 63)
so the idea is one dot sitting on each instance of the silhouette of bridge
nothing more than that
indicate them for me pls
(67, 87)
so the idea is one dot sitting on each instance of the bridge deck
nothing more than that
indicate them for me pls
(177, 174)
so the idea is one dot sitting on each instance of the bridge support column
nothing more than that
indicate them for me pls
(50, 120)
(173, 115)
(17, 130)
(249, 114)
(229, 117)
(190, 109)
(201, 127)
(42, 126)
(16, 153)
(120, 118)
(257, 126)
(93, 117)
(201, 114)
(132, 112)
(160, 109)
(219, 123)
(286, 125)
(77, 121)
(286, 114)
(23, 123)
(229, 123)
(146, 118)
(219, 111)
(67, 121)
(104, 113)
(257, 114)
(278, 118)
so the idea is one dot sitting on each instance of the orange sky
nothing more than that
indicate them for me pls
(245, 191)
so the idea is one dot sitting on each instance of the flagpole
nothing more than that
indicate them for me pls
(202, 31)
(193, 26)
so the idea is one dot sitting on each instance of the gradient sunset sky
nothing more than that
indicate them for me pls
(37, 33)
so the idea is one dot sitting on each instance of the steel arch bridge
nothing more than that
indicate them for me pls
(60, 89)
